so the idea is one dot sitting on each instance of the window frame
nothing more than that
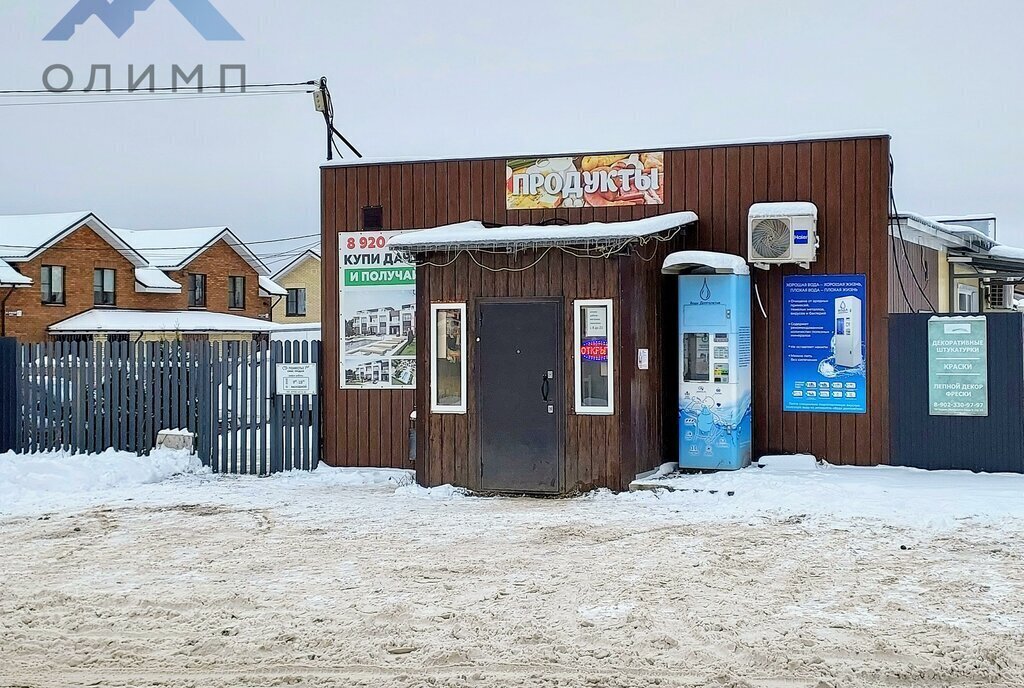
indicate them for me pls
(288, 312)
(192, 289)
(231, 292)
(113, 292)
(577, 339)
(436, 308)
(973, 293)
(63, 284)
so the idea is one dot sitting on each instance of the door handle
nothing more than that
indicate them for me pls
(545, 387)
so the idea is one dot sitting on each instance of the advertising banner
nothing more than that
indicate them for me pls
(957, 366)
(824, 343)
(585, 181)
(378, 313)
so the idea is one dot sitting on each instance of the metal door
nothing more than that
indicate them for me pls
(520, 399)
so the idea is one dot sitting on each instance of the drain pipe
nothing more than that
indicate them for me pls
(3, 312)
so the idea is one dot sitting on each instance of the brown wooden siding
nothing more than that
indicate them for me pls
(846, 179)
(912, 259)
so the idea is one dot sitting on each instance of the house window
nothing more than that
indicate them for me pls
(52, 280)
(236, 292)
(595, 356)
(296, 304)
(966, 299)
(103, 287)
(448, 358)
(373, 217)
(197, 291)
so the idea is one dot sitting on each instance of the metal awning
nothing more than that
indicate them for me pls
(477, 236)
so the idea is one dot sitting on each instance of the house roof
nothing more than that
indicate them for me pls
(173, 249)
(9, 277)
(23, 237)
(309, 253)
(110, 320)
(154, 280)
(475, 235)
(269, 287)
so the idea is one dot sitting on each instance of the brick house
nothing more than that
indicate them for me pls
(71, 275)
(301, 281)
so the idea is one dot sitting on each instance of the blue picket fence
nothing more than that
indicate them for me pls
(85, 397)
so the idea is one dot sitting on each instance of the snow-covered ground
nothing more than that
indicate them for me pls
(161, 574)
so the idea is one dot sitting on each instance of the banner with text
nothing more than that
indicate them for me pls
(824, 366)
(378, 313)
(958, 366)
(585, 181)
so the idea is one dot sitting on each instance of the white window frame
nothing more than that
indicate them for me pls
(435, 308)
(973, 293)
(577, 339)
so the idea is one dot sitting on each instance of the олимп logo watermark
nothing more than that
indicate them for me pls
(119, 16)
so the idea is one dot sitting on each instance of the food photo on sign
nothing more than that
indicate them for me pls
(586, 181)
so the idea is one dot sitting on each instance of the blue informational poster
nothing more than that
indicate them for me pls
(824, 343)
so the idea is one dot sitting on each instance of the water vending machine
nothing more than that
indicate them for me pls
(847, 341)
(714, 359)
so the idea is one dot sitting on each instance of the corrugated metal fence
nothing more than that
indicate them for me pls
(993, 443)
(84, 397)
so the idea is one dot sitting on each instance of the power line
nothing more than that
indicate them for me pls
(174, 89)
(123, 99)
(4, 245)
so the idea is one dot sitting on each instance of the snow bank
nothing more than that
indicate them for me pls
(792, 487)
(328, 476)
(41, 477)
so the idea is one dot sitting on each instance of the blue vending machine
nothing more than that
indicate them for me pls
(714, 359)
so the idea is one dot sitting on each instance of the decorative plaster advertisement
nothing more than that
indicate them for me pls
(378, 313)
(958, 366)
(587, 181)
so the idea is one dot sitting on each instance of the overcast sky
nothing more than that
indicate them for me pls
(454, 78)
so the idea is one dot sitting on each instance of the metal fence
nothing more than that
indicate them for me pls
(993, 443)
(85, 397)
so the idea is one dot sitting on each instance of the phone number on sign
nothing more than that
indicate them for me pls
(366, 242)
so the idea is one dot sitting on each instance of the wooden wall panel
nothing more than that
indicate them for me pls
(846, 179)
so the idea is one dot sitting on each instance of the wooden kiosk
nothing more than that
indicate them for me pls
(548, 356)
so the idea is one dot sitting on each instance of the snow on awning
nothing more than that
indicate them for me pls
(269, 287)
(9, 277)
(155, 281)
(474, 235)
(101, 320)
(726, 263)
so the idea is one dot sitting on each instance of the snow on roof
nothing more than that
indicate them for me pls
(468, 235)
(154, 280)
(21, 235)
(9, 277)
(965, 233)
(103, 320)
(269, 286)
(791, 208)
(721, 262)
(1009, 252)
(791, 138)
(170, 248)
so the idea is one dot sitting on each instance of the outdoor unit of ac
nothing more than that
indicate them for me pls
(999, 296)
(782, 233)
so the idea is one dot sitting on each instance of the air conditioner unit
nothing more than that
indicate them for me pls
(780, 233)
(999, 296)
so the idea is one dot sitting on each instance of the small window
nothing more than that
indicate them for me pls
(52, 280)
(373, 217)
(296, 304)
(236, 293)
(197, 291)
(448, 358)
(104, 283)
(595, 358)
(966, 299)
